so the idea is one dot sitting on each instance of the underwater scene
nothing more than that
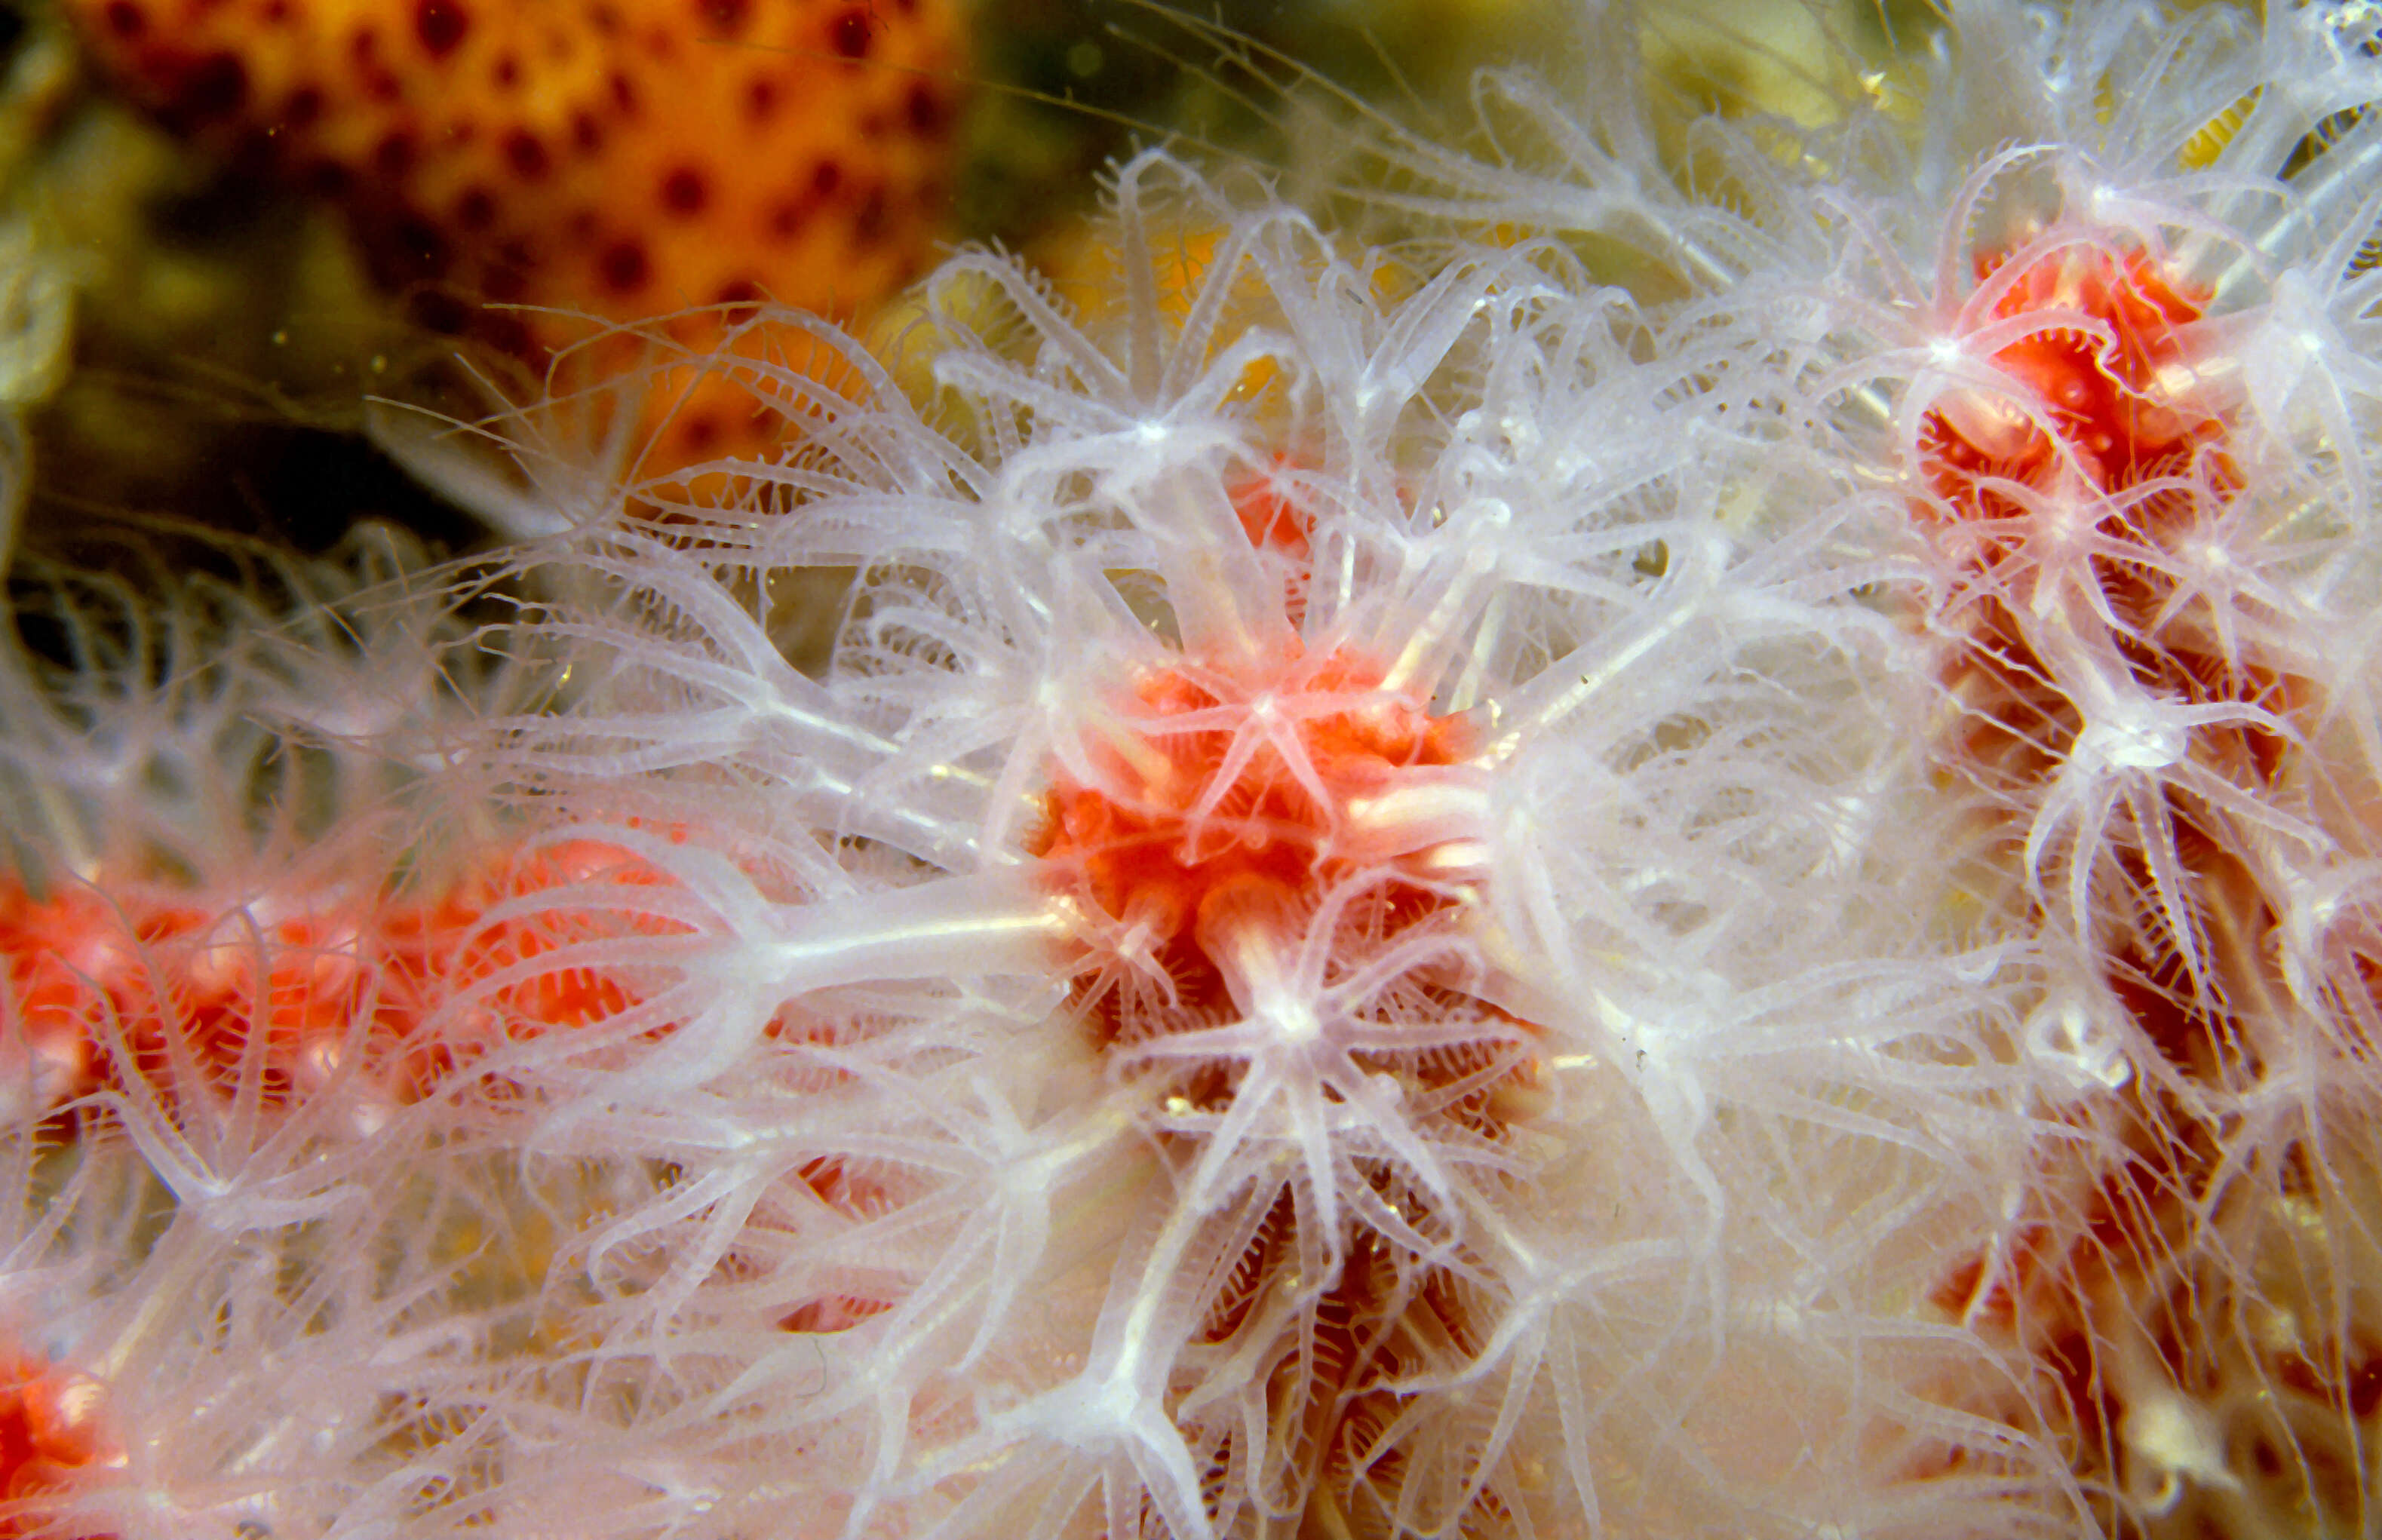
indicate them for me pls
(1316, 770)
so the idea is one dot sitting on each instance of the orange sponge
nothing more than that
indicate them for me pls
(620, 159)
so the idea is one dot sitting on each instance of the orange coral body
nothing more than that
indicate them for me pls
(2102, 400)
(1243, 789)
(2110, 1281)
(49, 1429)
(619, 159)
(173, 994)
(1232, 806)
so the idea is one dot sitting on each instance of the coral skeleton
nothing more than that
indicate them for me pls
(1663, 823)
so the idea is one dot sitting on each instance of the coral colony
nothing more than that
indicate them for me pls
(1670, 825)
